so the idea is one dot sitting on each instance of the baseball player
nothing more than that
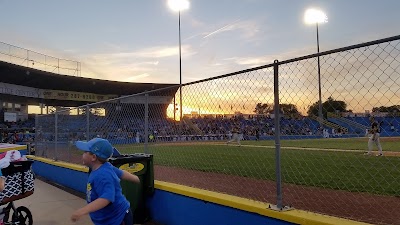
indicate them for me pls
(374, 137)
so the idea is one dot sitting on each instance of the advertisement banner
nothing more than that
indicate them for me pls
(10, 117)
(18, 90)
(75, 96)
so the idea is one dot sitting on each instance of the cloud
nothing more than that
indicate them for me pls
(137, 77)
(247, 29)
(225, 28)
(157, 52)
(121, 70)
(144, 65)
(250, 61)
(153, 52)
(267, 59)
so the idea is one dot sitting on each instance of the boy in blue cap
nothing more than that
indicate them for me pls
(106, 203)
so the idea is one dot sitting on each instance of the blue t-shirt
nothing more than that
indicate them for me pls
(105, 183)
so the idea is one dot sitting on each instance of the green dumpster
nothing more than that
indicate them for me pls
(141, 165)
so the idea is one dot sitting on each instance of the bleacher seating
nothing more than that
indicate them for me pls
(125, 130)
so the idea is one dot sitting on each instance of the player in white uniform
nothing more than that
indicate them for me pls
(374, 138)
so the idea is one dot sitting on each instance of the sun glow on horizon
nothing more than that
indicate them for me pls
(192, 110)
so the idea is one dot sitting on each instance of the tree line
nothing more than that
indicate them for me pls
(331, 105)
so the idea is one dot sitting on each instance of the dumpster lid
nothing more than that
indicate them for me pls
(132, 156)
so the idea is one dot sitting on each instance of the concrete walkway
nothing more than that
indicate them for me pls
(53, 206)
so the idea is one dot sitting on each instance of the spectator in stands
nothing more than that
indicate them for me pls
(374, 137)
(257, 133)
(151, 137)
(325, 133)
(106, 203)
(137, 137)
(392, 127)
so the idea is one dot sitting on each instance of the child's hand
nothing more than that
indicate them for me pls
(76, 215)
(2, 183)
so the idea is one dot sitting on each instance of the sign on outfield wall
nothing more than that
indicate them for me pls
(18, 90)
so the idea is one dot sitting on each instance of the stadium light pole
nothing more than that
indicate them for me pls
(178, 6)
(315, 16)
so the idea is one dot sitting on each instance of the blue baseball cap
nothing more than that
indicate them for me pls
(102, 148)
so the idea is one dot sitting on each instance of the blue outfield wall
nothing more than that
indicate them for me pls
(174, 204)
(64, 174)
(177, 209)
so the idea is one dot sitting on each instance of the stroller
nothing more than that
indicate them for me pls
(19, 184)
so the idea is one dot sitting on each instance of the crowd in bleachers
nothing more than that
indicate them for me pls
(255, 126)
(17, 132)
(388, 125)
(131, 129)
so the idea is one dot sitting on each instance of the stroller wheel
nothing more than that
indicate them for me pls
(23, 215)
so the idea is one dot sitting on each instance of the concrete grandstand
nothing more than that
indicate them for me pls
(22, 86)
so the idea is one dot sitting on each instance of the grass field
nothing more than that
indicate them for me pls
(328, 163)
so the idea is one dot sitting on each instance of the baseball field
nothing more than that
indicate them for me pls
(337, 163)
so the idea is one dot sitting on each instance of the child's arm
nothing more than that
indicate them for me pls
(130, 177)
(124, 175)
(91, 207)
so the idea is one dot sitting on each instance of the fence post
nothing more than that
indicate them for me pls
(146, 123)
(87, 123)
(277, 138)
(9, 52)
(27, 58)
(36, 125)
(35, 139)
(56, 136)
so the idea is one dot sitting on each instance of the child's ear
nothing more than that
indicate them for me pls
(94, 157)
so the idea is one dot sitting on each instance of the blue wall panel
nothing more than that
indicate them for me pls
(174, 209)
(66, 177)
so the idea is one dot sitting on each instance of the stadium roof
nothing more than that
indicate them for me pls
(25, 76)
(29, 77)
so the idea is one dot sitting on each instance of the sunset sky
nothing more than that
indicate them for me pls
(137, 41)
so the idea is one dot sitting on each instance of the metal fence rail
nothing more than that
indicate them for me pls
(227, 140)
(24, 57)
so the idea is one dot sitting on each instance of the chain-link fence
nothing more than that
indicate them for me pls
(227, 142)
